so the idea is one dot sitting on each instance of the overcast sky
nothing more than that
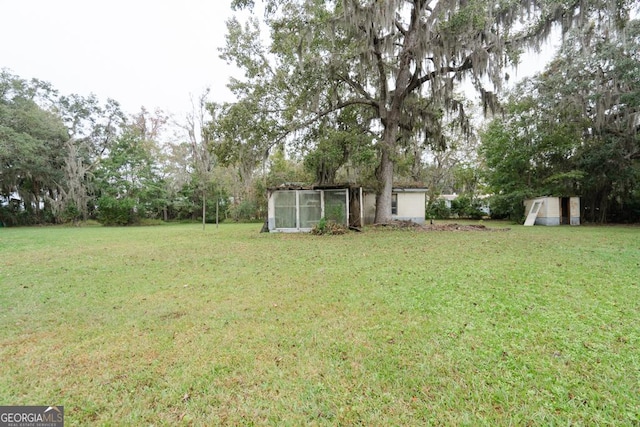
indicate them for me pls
(152, 53)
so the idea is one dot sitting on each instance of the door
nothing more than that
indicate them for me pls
(565, 211)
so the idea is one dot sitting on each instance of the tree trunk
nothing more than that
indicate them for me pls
(390, 119)
(385, 176)
(204, 208)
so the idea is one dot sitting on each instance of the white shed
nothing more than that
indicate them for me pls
(552, 211)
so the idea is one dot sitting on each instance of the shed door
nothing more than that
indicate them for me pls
(533, 212)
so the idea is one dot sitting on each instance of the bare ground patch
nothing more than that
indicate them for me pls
(439, 227)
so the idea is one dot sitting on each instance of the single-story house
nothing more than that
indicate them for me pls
(552, 211)
(447, 198)
(298, 208)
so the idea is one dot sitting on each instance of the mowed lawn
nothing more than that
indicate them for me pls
(173, 325)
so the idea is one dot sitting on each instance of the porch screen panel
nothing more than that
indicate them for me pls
(310, 210)
(335, 206)
(285, 209)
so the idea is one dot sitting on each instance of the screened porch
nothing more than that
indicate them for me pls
(295, 210)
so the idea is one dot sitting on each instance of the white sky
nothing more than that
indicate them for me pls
(151, 53)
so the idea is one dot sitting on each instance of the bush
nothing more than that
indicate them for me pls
(464, 207)
(246, 210)
(112, 211)
(325, 226)
(508, 206)
(438, 210)
(71, 213)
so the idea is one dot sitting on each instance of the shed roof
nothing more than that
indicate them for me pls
(301, 186)
(409, 190)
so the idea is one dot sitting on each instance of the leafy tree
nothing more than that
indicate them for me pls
(117, 211)
(200, 142)
(284, 170)
(31, 139)
(176, 167)
(526, 160)
(574, 128)
(437, 209)
(399, 60)
(129, 175)
(465, 207)
(345, 143)
(241, 154)
(92, 129)
(601, 69)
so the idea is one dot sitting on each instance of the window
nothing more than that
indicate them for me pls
(394, 203)
(310, 208)
(285, 206)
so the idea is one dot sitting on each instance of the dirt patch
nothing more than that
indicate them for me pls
(460, 227)
(439, 227)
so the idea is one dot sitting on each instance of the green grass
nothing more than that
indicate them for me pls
(175, 326)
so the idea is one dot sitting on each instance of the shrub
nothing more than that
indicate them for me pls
(112, 211)
(508, 206)
(438, 210)
(71, 214)
(246, 210)
(325, 226)
(464, 207)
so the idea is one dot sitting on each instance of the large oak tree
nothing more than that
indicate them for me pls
(400, 60)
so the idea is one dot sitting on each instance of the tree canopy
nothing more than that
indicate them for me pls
(357, 91)
(67, 158)
(573, 129)
(397, 61)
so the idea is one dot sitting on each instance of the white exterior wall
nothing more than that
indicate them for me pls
(411, 206)
(549, 213)
(550, 208)
(574, 208)
(271, 207)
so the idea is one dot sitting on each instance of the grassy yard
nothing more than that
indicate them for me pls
(171, 325)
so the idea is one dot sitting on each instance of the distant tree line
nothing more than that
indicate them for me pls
(349, 91)
(70, 158)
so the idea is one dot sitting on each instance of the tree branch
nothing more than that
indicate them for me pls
(384, 90)
(400, 28)
(417, 82)
(286, 131)
(357, 86)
